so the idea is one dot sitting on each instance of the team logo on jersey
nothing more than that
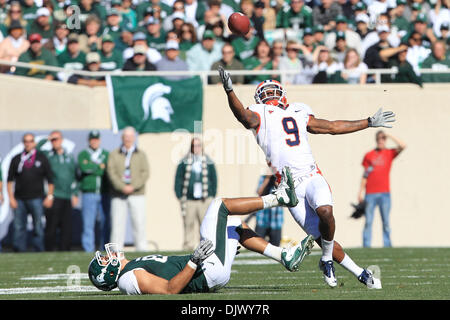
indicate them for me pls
(270, 111)
(154, 101)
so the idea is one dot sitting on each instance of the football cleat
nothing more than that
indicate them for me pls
(327, 267)
(285, 191)
(366, 277)
(292, 257)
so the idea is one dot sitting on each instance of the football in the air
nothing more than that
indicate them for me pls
(239, 24)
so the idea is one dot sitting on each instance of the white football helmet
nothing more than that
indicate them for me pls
(271, 92)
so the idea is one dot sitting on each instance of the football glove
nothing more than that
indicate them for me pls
(380, 119)
(226, 80)
(202, 252)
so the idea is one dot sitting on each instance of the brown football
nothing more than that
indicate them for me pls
(239, 24)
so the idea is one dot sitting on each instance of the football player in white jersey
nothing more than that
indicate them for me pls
(281, 132)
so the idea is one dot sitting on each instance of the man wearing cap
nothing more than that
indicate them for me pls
(145, 7)
(202, 55)
(156, 36)
(340, 48)
(13, 45)
(59, 214)
(420, 25)
(139, 61)
(372, 56)
(92, 64)
(296, 16)
(113, 27)
(110, 58)
(41, 25)
(171, 61)
(362, 25)
(36, 54)
(140, 39)
(93, 185)
(353, 40)
(397, 18)
(71, 58)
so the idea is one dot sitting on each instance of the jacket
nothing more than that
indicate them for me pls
(139, 167)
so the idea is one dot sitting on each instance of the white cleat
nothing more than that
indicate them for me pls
(367, 278)
(327, 267)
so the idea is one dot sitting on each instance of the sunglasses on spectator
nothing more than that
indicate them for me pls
(16, 11)
(28, 141)
(227, 52)
(54, 139)
(292, 49)
(417, 39)
(179, 8)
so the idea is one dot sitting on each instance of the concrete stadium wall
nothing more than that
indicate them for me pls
(419, 178)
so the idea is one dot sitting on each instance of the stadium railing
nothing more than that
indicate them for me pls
(203, 74)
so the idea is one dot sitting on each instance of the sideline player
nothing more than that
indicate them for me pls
(209, 267)
(281, 132)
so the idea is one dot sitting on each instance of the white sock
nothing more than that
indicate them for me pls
(351, 266)
(327, 249)
(270, 201)
(273, 252)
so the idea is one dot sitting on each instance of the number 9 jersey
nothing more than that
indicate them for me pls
(282, 135)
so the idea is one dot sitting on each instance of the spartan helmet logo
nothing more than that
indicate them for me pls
(153, 100)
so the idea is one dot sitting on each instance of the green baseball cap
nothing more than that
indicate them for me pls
(94, 134)
(107, 38)
(421, 17)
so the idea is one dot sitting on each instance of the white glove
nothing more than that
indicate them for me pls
(226, 80)
(203, 251)
(380, 119)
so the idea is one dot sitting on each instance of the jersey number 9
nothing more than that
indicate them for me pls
(291, 128)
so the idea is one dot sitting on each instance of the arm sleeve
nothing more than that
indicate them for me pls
(179, 180)
(212, 179)
(144, 172)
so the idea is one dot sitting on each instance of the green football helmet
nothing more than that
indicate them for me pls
(104, 270)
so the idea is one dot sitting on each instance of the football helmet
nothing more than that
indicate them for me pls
(104, 269)
(271, 92)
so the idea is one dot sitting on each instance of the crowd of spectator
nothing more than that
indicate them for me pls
(326, 41)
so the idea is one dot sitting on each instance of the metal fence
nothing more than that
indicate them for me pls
(203, 74)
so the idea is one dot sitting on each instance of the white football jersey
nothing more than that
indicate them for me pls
(283, 137)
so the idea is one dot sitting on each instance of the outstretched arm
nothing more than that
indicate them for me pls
(149, 283)
(248, 118)
(379, 119)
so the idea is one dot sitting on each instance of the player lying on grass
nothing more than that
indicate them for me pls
(209, 267)
(281, 130)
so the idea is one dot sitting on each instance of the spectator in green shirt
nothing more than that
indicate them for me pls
(59, 215)
(397, 18)
(296, 16)
(110, 57)
(261, 60)
(36, 54)
(71, 58)
(244, 46)
(42, 24)
(29, 9)
(396, 58)
(439, 59)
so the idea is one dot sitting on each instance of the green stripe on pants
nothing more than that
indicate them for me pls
(221, 232)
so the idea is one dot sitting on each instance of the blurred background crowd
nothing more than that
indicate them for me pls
(326, 41)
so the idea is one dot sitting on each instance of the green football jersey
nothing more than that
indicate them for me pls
(168, 267)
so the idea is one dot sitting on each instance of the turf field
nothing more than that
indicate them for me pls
(406, 274)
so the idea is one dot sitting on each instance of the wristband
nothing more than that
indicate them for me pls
(192, 264)
(370, 121)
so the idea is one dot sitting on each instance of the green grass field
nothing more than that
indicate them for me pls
(406, 274)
